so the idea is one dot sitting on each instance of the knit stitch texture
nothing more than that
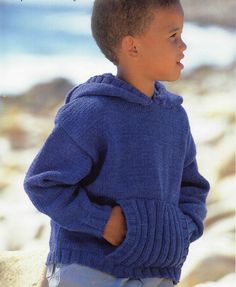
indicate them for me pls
(112, 145)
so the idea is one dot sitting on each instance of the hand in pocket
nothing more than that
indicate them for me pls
(115, 229)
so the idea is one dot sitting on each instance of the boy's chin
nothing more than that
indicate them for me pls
(172, 78)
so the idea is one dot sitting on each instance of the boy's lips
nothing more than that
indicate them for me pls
(179, 63)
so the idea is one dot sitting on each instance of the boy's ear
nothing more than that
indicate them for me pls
(129, 46)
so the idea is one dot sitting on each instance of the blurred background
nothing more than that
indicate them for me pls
(46, 48)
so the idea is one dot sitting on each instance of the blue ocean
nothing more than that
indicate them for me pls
(41, 40)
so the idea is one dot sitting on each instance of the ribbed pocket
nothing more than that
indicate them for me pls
(157, 235)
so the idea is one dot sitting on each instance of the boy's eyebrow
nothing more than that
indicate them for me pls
(175, 30)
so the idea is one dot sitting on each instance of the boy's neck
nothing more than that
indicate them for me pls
(143, 85)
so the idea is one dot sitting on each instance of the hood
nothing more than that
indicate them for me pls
(111, 86)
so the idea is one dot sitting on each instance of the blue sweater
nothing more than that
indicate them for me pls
(112, 145)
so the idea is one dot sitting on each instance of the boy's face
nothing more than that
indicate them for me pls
(161, 47)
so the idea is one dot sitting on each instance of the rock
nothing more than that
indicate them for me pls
(30, 229)
(204, 82)
(19, 132)
(210, 12)
(223, 162)
(211, 257)
(41, 99)
(218, 211)
(227, 281)
(227, 168)
(225, 189)
(212, 268)
(216, 108)
(208, 131)
(23, 268)
(4, 149)
(4, 146)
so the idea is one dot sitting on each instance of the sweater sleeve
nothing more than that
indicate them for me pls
(193, 193)
(53, 185)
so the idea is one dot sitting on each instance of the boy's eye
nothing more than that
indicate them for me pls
(173, 36)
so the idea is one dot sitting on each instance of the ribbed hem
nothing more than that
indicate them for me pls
(69, 256)
(156, 243)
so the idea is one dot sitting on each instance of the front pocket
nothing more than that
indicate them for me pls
(157, 235)
(127, 245)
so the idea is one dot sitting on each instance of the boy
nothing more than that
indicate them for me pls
(118, 174)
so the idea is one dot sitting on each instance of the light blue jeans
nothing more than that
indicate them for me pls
(75, 275)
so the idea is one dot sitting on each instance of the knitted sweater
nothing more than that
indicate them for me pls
(112, 145)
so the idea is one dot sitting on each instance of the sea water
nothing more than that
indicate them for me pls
(41, 40)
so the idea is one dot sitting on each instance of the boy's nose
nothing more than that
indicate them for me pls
(183, 45)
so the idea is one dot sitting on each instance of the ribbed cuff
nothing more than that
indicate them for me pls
(97, 219)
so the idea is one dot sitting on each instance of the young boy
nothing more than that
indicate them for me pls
(118, 174)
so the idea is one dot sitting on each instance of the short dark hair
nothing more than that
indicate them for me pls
(114, 19)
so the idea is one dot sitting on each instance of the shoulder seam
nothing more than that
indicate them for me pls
(76, 143)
